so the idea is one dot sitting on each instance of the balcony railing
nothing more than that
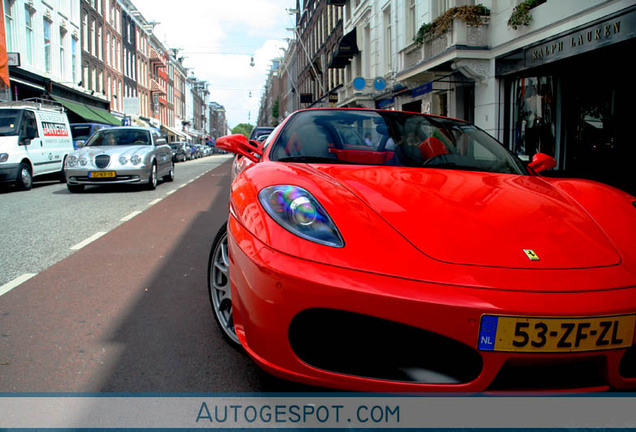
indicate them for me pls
(460, 34)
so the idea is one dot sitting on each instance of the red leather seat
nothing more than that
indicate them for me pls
(432, 147)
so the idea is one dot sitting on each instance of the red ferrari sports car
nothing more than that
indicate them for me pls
(375, 250)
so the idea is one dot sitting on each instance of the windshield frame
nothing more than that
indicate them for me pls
(123, 137)
(15, 130)
(391, 138)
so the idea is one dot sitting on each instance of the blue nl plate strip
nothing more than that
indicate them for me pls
(488, 332)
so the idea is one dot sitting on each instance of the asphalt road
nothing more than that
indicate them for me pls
(129, 310)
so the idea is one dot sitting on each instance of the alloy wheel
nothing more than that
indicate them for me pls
(219, 286)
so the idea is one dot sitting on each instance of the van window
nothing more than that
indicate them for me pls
(9, 120)
(29, 125)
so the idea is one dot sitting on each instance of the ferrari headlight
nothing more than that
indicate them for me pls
(135, 159)
(296, 210)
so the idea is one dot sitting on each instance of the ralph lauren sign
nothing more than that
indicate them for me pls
(609, 31)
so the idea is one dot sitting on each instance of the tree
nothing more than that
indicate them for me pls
(275, 110)
(243, 128)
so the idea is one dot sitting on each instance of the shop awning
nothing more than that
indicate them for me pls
(89, 113)
(347, 48)
(26, 83)
(174, 132)
(107, 116)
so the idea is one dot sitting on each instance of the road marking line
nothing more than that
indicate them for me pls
(153, 202)
(170, 192)
(87, 241)
(15, 282)
(130, 216)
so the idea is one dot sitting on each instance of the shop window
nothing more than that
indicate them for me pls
(533, 116)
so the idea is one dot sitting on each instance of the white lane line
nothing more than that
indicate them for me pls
(153, 202)
(15, 282)
(130, 216)
(170, 192)
(87, 241)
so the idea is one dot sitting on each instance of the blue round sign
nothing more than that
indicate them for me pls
(379, 84)
(359, 83)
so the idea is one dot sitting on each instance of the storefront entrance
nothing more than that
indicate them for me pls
(599, 118)
(581, 111)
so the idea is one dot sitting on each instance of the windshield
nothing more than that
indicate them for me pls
(119, 137)
(9, 119)
(391, 138)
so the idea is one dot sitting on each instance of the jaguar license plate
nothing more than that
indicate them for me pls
(555, 334)
(101, 174)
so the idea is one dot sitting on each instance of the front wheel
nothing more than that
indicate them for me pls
(24, 181)
(219, 287)
(152, 177)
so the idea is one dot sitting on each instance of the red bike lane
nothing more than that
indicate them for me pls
(130, 311)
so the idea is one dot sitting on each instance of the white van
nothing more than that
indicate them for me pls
(35, 138)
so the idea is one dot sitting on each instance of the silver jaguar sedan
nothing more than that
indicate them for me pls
(120, 155)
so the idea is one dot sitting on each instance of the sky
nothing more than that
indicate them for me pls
(218, 39)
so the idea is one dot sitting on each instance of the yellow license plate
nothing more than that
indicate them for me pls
(555, 334)
(101, 174)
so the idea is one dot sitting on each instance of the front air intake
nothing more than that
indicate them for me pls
(361, 345)
(102, 161)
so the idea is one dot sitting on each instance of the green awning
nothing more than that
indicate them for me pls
(88, 113)
(108, 117)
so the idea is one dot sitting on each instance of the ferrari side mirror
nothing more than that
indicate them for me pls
(240, 145)
(541, 162)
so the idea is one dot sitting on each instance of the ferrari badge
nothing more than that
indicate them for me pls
(532, 256)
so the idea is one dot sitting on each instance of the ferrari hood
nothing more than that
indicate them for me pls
(482, 219)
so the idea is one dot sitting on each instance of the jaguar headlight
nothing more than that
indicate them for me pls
(123, 160)
(135, 159)
(296, 210)
(71, 161)
(83, 161)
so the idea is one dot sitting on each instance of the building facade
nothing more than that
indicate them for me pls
(552, 84)
(101, 60)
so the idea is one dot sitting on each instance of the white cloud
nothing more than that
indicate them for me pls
(218, 38)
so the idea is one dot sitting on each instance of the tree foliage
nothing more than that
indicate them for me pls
(243, 128)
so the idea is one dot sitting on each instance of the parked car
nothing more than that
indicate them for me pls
(259, 131)
(432, 260)
(35, 140)
(82, 132)
(120, 155)
(194, 152)
(180, 151)
(202, 150)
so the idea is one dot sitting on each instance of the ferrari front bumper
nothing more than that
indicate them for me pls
(341, 328)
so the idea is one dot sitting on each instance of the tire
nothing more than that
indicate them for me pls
(63, 172)
(152, 177)
(75, 188)
(219, 289)
(170, 176)
(24, 180)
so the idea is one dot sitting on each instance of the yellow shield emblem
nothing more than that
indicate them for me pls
(532, 256)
